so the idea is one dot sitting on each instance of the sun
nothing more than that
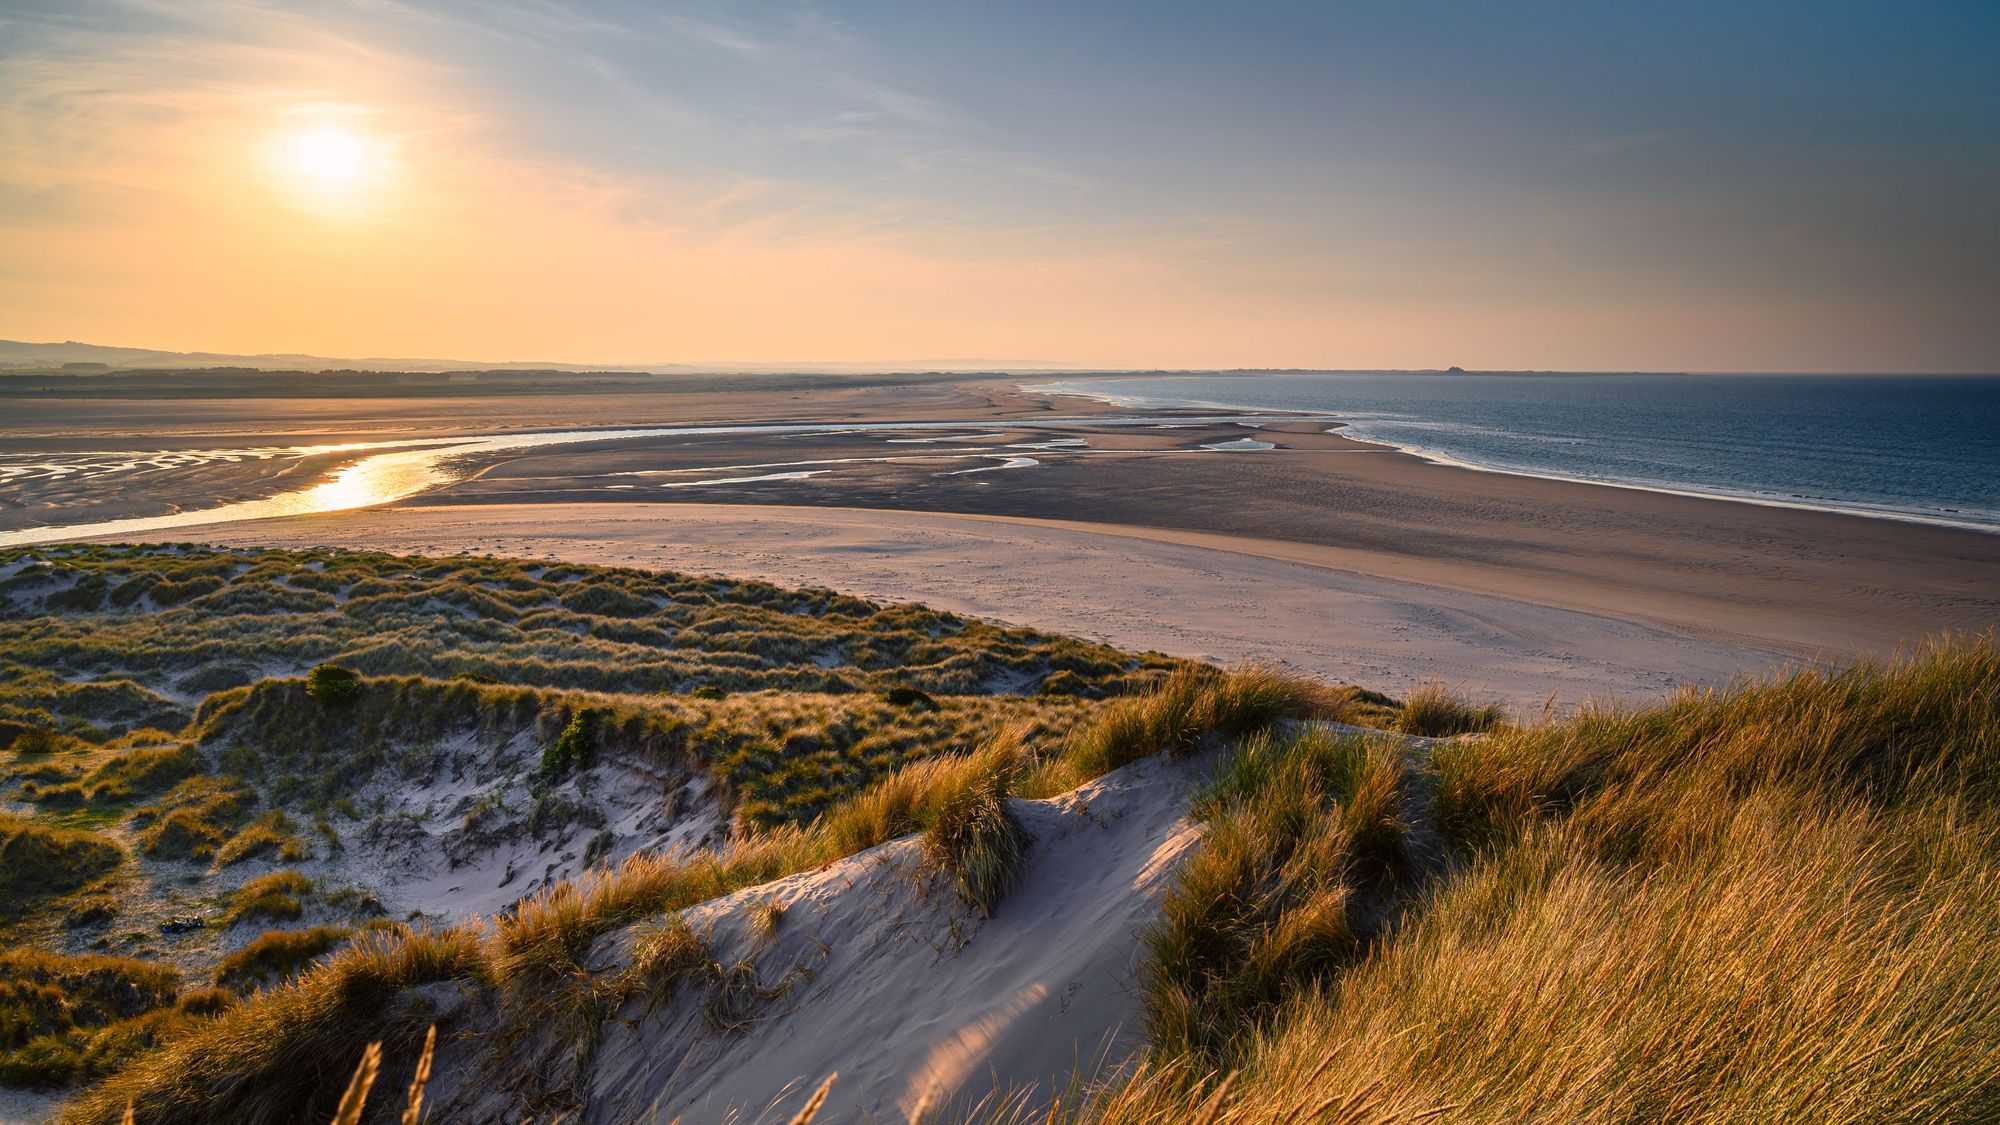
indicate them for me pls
(328, 156)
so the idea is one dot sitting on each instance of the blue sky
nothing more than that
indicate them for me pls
(1702, 186)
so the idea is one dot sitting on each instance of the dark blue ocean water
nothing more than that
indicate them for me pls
(1906, 446)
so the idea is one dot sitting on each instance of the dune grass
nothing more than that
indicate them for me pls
(533, 965)
(64, 1018)
(320, 672)
(194, 819)
(1433, 711)
(954, 799)
(1776, 902)
(1193, 704)
(775, 757)
(173, 616)
(38, 860)
(1307, 848)
(287, 1054)
(970, 833)
(273, 898)
(276, 954)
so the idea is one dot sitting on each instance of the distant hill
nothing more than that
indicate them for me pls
(22, 355)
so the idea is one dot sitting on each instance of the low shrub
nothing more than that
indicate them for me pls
(333, 685)
(909, 697)
(574, 747)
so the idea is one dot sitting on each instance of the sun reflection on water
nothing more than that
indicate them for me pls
(420, 465)
(374, 480)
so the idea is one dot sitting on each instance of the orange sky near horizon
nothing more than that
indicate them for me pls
(298, 188)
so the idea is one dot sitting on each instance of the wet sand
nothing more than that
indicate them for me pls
(1313, 547)
(1809, 584)
(234, 450)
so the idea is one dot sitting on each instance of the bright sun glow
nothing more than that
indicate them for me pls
(328, 156)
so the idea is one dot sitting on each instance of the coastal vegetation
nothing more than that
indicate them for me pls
(186, 728)
(1775, 902)
(1776, 899)
(533, 970)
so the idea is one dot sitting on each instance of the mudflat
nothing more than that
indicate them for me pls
(1305, 518)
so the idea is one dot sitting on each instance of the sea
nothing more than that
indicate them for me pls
(1923, 448)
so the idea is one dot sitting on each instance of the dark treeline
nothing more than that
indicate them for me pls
(247, 382)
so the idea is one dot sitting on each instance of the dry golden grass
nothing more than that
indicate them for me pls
(1779, 902)
(533, 964)
(970, 833)
(65, 1017)
(285, 1055)
(1432, 711)
(40, 859)
(273, 897)
(1306, 849)
(276, 954)
(1194, 703)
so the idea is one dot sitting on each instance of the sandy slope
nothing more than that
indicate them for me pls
(878, 972)
(1207, 597)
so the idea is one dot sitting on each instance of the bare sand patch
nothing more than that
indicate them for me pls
(1212, 598)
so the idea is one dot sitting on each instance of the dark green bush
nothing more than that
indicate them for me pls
(35, 740)
(572, 748)
(909, 697)
(333, 685)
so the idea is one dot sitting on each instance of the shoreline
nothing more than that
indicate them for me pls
(1342, 513)
(1028, 398)
(1446, 460)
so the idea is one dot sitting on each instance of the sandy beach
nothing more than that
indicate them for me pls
(1213, 600)
(1217, 536)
